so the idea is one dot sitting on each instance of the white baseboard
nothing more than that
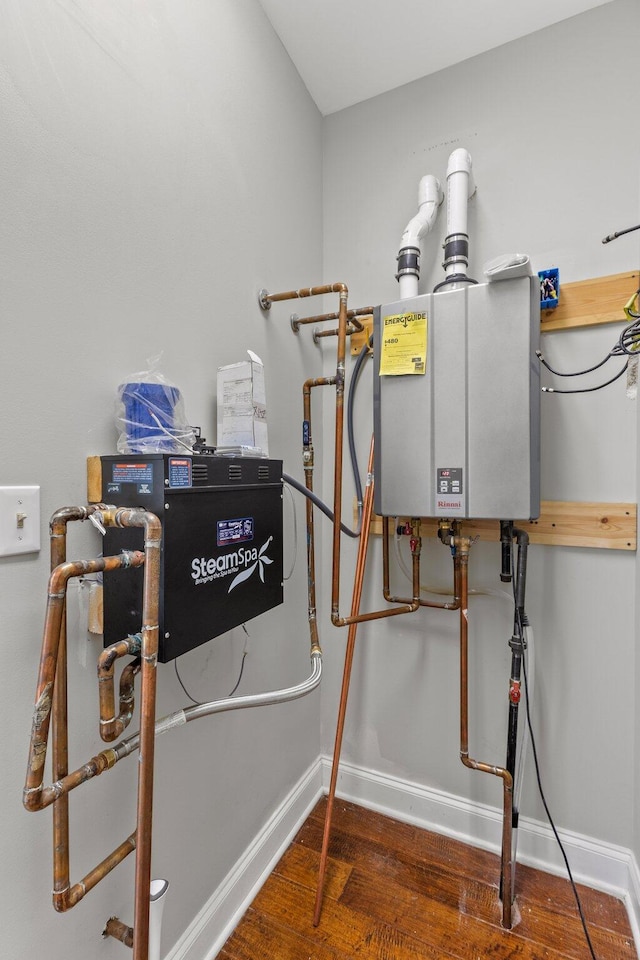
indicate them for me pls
(206, 935)
(602, 866)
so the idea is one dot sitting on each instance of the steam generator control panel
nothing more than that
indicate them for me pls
(221, 558)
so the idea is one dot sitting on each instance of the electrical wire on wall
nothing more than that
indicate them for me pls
(627, 345)
(237, 684)
(524, 627)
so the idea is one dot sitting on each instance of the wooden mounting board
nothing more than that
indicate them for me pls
(591, 302)
(358, 339)
(563, 523)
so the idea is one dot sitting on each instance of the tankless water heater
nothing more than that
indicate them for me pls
(457, 403)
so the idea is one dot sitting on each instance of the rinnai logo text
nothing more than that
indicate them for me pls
(449, 504)
(241, 562)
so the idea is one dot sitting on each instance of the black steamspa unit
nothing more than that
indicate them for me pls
(221, 561)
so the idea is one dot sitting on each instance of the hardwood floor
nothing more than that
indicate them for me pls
(395, 892)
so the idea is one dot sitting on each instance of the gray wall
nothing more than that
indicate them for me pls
(159, 163)
(549, 123)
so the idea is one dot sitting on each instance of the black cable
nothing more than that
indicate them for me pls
(362, 356)
(576, 373)
(175, 665)
(244, 657)
(328, 512)
(589, 389)
(521, 623)
(199, 702)
(627, 344)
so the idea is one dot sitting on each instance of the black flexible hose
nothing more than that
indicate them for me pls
(362, 356)
(328, 512)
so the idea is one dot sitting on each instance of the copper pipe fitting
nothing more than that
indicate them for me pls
(119, 931)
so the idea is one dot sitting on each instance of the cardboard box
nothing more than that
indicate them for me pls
(242, 406)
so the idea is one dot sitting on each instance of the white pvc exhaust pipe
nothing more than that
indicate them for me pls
(460, 188)
(157, 894)
(430, 196)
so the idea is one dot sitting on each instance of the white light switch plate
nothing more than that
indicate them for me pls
(19, 520)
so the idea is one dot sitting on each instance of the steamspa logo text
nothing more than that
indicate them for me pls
(241, 562)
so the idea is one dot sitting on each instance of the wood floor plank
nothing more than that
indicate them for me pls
(301, 864)
(396, 892)
(440, 926)
(351, 932)
(476, 898)
(257, 938)
(535, 927)
(416, 845)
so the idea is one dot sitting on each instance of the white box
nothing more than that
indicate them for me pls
(242, 406)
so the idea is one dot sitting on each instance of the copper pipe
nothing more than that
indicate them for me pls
(119, 931)
(453, 604)
(93, 878)
(341, 288)
(352, 315)
(363, 545)
(35, 795)
(308, 463)
(59, 750)
(111, 727)
(53, 659)
(149, 658)
(319, 334)
(319, 291)
(462, 545)
(409, 605)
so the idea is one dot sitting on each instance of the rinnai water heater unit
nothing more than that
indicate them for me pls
(457, 403)
(221, 560)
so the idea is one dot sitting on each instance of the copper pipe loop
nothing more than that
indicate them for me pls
(111, 726)
(462, 545)
(51, 707)
(35, 795)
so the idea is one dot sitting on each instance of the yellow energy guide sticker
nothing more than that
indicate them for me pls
(404, 344)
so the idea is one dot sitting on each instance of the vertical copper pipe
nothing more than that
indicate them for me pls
(339, 437)
(367, 510)
(149, 658)
(60, 744)
(462, 548)
(308, 458)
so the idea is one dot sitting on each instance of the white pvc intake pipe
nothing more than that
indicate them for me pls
(430, 196)
(157, 894)
(460, 188)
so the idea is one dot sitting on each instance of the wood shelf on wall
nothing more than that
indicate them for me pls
(587, 303)
(562, 523)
